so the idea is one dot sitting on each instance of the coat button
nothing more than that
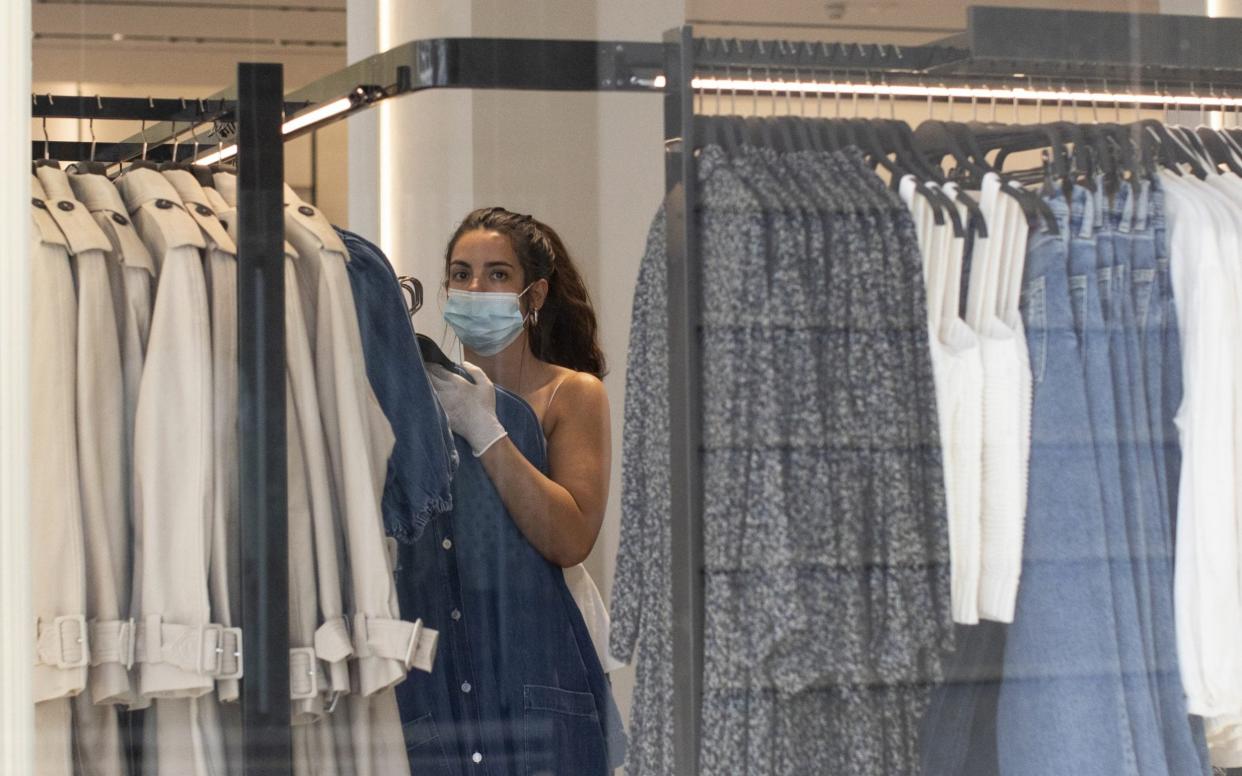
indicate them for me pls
(38, 203)
(465, 687)
(447, 544)
(203, 210)
(455, 614)
(306, 211)
(477, 758)
(163, 204)
(120, 219)
(65, 205)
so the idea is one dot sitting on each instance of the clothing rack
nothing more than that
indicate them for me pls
(1164, 55)
(1176, 54)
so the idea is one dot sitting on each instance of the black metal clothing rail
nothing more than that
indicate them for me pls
(266, 738)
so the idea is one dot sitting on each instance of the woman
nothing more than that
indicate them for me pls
(521, 311)
(517, 685)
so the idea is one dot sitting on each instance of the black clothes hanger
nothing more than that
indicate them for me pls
(1177, 152)
(1218, 151)
(1033, 207)
(1194, 141)
(432, 354)
(90, 168)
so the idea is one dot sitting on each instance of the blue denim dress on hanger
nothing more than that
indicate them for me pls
(423, 458)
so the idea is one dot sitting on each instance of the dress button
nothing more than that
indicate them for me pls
(306, 211)
(65, 205)
(447, 544)
(120, 219)
(465, 687)
(38, 203)
(163, 204)
(203, 210)
(455, 614)
(478, 758)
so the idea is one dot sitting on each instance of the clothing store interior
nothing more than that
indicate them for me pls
(659, 388)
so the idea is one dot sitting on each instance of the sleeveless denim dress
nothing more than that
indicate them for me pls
(517, 687)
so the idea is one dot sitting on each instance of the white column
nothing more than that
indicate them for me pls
(411, 159)
(16, 707)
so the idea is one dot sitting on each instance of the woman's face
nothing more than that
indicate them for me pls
(483, 260)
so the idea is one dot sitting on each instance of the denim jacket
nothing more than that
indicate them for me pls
(423, 458)
(516, 687)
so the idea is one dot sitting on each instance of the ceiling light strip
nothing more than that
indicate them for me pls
(776, 86)
(298, 123)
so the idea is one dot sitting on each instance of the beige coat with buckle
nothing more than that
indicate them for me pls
(183, 647)
(61, 653)
(101, 452)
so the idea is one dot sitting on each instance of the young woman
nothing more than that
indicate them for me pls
(518, 685)
(521, 311)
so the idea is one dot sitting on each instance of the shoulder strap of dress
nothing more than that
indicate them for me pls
(548, 406)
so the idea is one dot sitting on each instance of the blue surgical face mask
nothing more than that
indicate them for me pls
(486, 322)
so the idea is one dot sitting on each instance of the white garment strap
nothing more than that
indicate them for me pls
(62, 643)
(333, 645)
(208, 650)
(303, 674)
(548, 406)
(408, 642)
(112, 641)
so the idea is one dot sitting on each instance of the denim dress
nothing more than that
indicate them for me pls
(416, 486)
(516, 687)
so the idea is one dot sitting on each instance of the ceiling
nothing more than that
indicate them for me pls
(186, 42)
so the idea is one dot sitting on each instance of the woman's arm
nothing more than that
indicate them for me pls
(561, 514)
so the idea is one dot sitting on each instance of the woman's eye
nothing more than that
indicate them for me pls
(500, 276)
(460, 277)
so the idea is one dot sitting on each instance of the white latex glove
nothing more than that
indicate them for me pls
(471, 407)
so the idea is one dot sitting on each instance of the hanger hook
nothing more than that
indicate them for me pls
(819, 102)
(1039, 101)
(47, 151)
(198, 120)
(90, 127)
(754, 93)
(836, 96)
(732, 90)
(143, 130)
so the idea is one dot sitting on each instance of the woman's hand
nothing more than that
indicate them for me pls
(471, 407)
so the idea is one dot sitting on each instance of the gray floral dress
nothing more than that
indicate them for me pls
(826, 578)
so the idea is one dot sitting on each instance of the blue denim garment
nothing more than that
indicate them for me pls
(1183, 738)
(1062, 704)
(1168, 344)
(423, 457)
(958, 734)
(1171, 354)
(517, 687)
(1128, 575)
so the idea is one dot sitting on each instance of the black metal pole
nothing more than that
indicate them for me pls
(264, 547)
(685, 399)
